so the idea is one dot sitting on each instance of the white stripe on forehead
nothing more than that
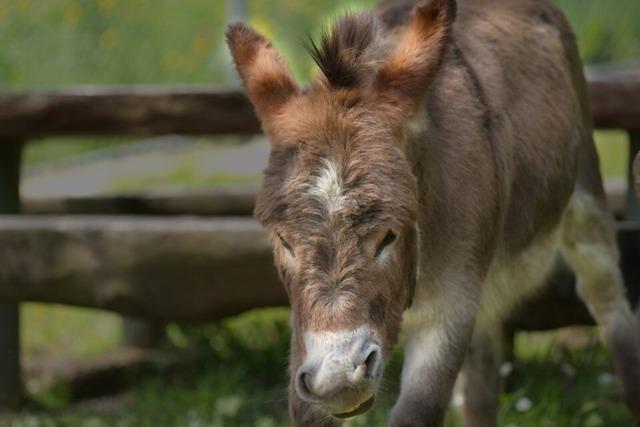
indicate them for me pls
(328, 187)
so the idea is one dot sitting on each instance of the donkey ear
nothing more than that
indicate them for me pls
(265, 75)
(404, 79)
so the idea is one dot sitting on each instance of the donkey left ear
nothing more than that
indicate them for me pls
(404, 79)
(266, 77)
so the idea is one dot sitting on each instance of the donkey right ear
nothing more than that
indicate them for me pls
(265, 75)
(404, 79)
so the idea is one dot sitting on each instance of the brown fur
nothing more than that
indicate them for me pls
(463, 137)
(269, 82)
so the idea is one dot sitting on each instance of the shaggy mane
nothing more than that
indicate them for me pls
(339, 52)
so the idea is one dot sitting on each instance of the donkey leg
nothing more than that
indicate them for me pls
(438, 330)
(480, 377)
(589, 246)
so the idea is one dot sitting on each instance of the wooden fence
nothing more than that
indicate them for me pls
(152, 262)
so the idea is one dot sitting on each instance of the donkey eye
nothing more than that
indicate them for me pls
(286, 244)
(388, 239)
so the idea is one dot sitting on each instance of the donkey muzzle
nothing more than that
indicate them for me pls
(341, 371)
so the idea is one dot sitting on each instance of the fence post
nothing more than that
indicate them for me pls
(10, 375)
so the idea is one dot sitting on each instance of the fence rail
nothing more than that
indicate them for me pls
(157, 110)
(135, 110)
(157, 268)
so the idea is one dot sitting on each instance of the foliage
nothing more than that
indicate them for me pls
(108, 41)
(606, 31)
(56, 331)
(236, 377)
(61, 42)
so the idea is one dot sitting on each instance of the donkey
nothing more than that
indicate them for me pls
(429, 179)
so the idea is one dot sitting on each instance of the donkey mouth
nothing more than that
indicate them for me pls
(360, 409)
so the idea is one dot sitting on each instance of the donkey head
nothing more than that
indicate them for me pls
(339, 196)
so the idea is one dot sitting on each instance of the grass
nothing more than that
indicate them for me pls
(182, 176)
(158, 41)
(42, 152)
(613, 149)
(61, 331)
(237, 378)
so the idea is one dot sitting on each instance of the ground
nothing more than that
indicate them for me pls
(234, 375)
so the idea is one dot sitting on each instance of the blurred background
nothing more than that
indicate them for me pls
(232, 373)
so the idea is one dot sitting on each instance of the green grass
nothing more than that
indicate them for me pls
(61, 42)
(236, 377)
(38, 153)
(55, 331)
(181, 176)
(613, 149)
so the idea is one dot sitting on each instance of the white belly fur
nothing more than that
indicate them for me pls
(511, 279)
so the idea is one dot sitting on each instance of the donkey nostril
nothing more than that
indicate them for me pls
(369, 369)
(372, 362)
(306, 382)
(303, 386)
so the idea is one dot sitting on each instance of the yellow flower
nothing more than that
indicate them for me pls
(200, 45)
(106, 5)
(108, 38)
(23, 5)
(72, 14)
(171, 60)
(4, 8)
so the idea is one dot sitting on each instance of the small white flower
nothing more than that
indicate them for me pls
(505, 369)
(523, 404)
(606, 378)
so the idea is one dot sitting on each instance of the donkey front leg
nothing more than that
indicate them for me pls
(438, 330)
(480, 377)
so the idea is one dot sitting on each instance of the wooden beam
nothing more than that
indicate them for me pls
(129, 110)
(195, 269)
(193, 110)
(219, 202)
(163, 269)
(615, 103)
(10, 375)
